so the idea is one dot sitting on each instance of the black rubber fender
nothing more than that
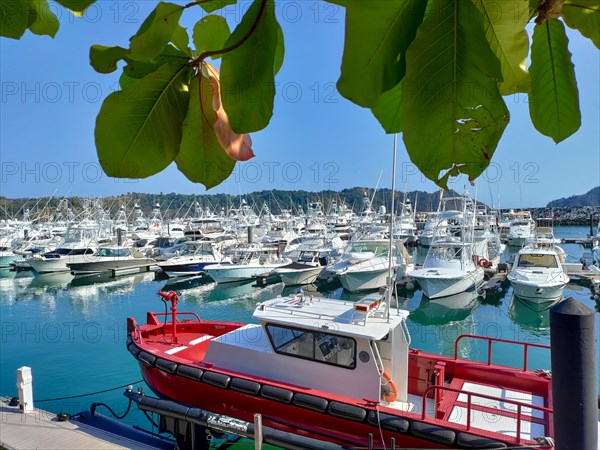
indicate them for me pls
(165, 365)
(388, 422)
(245, 386)
(134, 350)
(277, 394)
(432, 433)
(192, 373)
(310, 402)
(467, 440)
(346, 411)
(219, 380)
(147, 358)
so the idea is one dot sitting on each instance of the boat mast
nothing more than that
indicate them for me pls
(390, 278)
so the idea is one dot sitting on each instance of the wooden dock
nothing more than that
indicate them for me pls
(41, 429)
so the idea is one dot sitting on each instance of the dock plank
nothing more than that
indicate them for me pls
(39, 429)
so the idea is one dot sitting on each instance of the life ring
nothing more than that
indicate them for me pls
(484, 263)
(389, 391)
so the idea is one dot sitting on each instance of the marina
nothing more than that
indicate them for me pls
(73, 327)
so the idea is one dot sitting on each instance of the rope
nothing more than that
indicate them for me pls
(85, 395)
(95, 405)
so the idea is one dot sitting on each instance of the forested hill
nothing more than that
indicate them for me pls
(590, 198)
(179, 205)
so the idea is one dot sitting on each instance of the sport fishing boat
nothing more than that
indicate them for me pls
(341, 372)
(111, 258)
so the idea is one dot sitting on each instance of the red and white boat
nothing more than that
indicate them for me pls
(342, 372)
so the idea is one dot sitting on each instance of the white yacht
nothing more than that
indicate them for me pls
(248, 263)
(449, 267)
(521, 230)
(193, 259)
(80, 243)
(365, 264)
(111, 258)
(537, 275)
(303, 270)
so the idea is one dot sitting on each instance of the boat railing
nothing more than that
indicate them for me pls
(491, 341)
(520, 415)
(179, 313)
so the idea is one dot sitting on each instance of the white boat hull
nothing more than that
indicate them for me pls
(533, 292)
(90, 267)
(294, 277)
(436, 283)
(231, 273)
(366, 280)
(41, 265)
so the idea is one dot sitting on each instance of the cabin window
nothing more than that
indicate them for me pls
(321, 347)
(537, 260)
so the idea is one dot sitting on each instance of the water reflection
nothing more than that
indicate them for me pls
(441, 311)
(530, 315)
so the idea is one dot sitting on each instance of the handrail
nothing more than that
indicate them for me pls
(469, 394)
(491, 340)
(180, 313)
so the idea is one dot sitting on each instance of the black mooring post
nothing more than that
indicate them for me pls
(574, 389)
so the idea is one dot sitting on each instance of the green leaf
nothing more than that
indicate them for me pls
(181, 40)
(584, 16)
(156, 32)
(104, 59)
(77, 7)
(210, 34)
(553, 97)
(387, 110)
(247, 78)
(14, 15)
(452, 114)
(201, 158)
(138, 129)
(279, 50)
(504, 24)
(378, 33)
(45, 22)
(140, 69)
(215, 5)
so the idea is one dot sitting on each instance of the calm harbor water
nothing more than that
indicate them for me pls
(71, 331)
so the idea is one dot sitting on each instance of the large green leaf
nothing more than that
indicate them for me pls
(45, 22)
(181, 40)
(553, 97)
(13, 18)
(138, 129)
(210, 34)
(452, 114)
(76, 6)
(156, 32)
(201, 158)
(104, 59)
(140, 69)
(584, 16)
(387, 110)
(247, 78)
(214, 5)
(280, 50)
(504, 24)
(378, 33)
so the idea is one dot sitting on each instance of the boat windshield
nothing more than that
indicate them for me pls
(112, 252)
(537, 260)
(315, 346)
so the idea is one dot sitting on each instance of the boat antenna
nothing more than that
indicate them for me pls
(390, 277)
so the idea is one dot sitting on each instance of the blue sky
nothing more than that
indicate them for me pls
(317, 140)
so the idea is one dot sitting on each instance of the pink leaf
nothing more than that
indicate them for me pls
(237, 146)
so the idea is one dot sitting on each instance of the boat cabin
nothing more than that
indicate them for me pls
(314, 343)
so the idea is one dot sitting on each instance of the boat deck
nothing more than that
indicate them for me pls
(189, 346)
(499, 414)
